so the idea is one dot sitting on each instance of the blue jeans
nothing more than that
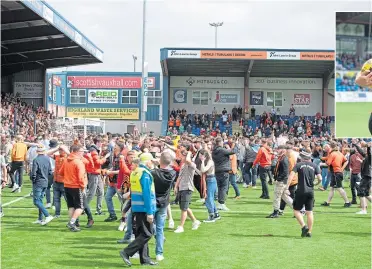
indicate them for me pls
(129, 232)
(326, 178)
(211, 190)
(58, 192)
(232, 178)
(38, 195)
(47, 192)
(160, 216)
(111, 191)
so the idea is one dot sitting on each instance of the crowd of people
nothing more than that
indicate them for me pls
(350, 61)
(142, 172)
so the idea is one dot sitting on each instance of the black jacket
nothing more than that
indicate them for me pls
(41, 169)
(163, 180)
(366, 169)
(221, 159)
(282, 172)
(250, 155)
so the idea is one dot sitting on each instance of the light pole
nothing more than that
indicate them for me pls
(134, 62)
(144, 101)
(215, 25)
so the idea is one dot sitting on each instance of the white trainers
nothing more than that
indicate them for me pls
(159, 258)
(171, 224)
(245, 185)
(19, 189)
(135, 256)
(48, 205)
(195, 225)
(362, 212)
(1, 215)
(53, 207)
(122, 226)
(47, 220)
(179, 230)
(15, 188)
(223, 207)
(38, 222)
(202, 201)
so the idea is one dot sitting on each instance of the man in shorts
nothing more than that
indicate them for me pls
(185, 187)
(75, 182)
(337, 162)
(306, 172)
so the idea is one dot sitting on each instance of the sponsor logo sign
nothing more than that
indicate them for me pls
(256, 98)
(301, 100)
(83, 82)
(104, 113)
(28, 89)
(102, 96)
(219, 97)
(283, 55)
(179, 96)
(184, 54)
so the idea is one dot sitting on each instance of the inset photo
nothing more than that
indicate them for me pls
(353, 74)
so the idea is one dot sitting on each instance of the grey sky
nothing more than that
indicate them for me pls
(116, 26)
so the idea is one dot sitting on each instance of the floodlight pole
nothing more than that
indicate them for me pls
(144, 87)
(215, 25)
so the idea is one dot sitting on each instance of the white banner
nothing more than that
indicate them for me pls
(286, 83)
(351, 97)
(207, 82)
(191, 54)
(283, 55)
(28, 89)
(104, 96)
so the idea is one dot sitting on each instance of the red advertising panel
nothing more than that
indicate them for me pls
(301, 99)
(80, 82)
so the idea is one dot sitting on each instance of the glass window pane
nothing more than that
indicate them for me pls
(133, 100)
(204, 95)
(158, 101)
(125, 93)
(150, 93)
(278, 102)
(196, 94)
(195, 101)
(82, 99)
(158, 93)
(278, 95)
(270, 96)
(150, 100)
(82, 92)
(204, 102)
(125, 100)
(73, 100)
(133, 93)
(73, 92)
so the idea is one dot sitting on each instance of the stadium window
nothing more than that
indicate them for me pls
(274, 99)
(129, 97)
(200, 98)
(77, 96)
(154, 97)
(62, 96)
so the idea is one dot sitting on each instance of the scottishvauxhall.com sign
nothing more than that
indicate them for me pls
(83, 82)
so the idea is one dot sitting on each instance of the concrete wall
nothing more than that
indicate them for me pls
(120, 126)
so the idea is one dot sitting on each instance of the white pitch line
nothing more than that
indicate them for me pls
(16, 200)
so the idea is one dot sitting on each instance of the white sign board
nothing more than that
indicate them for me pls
(191, 54)
(285, 83)
(104, 96)
(29, 89)
(207, 82)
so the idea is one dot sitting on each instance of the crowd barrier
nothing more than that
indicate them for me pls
(361, 97)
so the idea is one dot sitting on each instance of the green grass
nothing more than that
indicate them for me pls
(352, 119)
(243, 238)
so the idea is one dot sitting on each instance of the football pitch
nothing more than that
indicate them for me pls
(243, 238)
(352, 119)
